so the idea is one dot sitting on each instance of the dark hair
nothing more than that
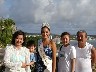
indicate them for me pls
(30, 43)
(19, 32)
(43, 28)
(65, 33)
(82, 31)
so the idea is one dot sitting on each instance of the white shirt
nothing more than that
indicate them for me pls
(65, 56)
(13, 59)
(83, 58)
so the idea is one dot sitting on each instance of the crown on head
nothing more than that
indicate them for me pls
(46, 24)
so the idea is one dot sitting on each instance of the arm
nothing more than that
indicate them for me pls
(73, 65)
(31, 63)
(27, 60)
(93, 55)
(32, 59)
(73, 59)
(8, 63)
(53, 56)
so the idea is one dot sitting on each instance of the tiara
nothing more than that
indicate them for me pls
(46, 24)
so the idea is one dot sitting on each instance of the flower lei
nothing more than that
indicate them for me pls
(45, 59)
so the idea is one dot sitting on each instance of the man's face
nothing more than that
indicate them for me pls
(81, 37)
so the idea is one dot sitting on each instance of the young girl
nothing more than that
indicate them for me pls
(67, 54)
(16, 55)
(46, 54)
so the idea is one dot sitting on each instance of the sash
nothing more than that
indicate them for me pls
(47, 61)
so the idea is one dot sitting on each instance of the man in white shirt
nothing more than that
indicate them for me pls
(85, 53)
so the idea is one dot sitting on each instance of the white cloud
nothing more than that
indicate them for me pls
(31, 10)
(64, 15)
(1, 1)
(3, 9)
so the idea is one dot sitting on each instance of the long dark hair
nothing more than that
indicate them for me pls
(19, 32)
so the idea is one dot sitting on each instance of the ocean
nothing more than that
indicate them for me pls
(93, 42)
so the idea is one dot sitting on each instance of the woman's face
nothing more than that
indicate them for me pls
(19, 40)
(45, 33)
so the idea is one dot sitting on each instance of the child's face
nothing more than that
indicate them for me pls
(32, 48)
(65, 39)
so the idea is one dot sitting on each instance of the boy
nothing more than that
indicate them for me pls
(31, 46)
(67, 54)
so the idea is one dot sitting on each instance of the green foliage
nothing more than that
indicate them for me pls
(33, 38)
(6, 31)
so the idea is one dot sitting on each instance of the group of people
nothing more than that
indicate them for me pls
(71, 58)
(21, 58)
(78, 57)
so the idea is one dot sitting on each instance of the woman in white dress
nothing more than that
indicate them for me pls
(16, 55)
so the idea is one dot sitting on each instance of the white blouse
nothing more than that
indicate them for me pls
(14, 58)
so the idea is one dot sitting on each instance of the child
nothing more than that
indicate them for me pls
(31, 46)
(67, 54)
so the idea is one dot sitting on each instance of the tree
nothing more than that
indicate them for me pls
(33, 38)
(7, 27)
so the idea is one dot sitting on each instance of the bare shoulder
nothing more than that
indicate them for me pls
(93, 48)
(53, 45)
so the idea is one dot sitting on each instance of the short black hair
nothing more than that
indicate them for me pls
(31, 43)
(82, 31)
(14, 36)
(65, 33)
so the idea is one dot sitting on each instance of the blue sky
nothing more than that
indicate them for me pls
(62, 15)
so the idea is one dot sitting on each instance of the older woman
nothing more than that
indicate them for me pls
(16, 55)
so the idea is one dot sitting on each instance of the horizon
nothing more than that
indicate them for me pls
(57, 34)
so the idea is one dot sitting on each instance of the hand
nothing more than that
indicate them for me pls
(23, 65)
(28, 64)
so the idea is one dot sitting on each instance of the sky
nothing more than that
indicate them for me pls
(62, 15)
